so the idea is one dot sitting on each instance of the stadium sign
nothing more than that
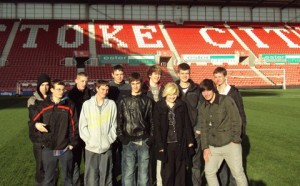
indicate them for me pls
(280, 58)
(129, 59)
(214, 59)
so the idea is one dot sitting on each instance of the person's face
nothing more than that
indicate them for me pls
(220, 79)
(155, 77)
(184, 75)
(135, 87)
(102, 91)
(118, 76)
(208, 95)
(81, 82)
(171, 98)
(58, 91)
(44, 88)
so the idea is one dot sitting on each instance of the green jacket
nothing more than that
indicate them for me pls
(219, 122)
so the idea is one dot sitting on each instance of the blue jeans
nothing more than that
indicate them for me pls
(135, 155)
(50, 164)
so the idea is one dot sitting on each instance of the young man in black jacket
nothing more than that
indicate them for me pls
(79, 94)
(56, 120)
(190, 94)
(135, 131)
(42, 92)
(220, 78)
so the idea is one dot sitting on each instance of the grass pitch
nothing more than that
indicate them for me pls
(273, 134)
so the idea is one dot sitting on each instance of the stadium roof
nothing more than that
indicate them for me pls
(221, 3)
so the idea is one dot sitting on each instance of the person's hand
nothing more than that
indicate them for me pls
(190, 145)
(198, 132)
(41, 127)
(206, 154)
(70, 147)
(161, 150)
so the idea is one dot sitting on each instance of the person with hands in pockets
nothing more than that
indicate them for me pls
(97, 128)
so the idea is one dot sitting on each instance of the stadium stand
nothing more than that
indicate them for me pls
(202, 38)
(42, 46)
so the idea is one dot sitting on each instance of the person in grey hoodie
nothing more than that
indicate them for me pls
(97, 128)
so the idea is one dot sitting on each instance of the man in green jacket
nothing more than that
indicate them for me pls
(220, 127)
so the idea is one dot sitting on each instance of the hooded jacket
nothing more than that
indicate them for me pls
(35, 135)
(97, 125)
(62, 123)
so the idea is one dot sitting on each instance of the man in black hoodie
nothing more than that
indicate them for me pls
(42, 91)
(190, 94)
(79, 94)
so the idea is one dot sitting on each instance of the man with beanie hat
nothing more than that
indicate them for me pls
(42, 91)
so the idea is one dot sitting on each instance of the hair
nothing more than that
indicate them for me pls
(82, 74)
(118, 67)
(100, 83)
(135, 76)
(57, 82)
(220, 70)
(154, 68)
(183, 66)
(208, 84)
(170, 89)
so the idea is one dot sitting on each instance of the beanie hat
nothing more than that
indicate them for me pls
(43, 78)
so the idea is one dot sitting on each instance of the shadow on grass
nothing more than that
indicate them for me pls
(257, 183)
(249, 93)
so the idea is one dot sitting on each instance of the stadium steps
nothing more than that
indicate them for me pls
(242, 43)
(92, 40)
(169, 41)
(261, 75)
(10, 41)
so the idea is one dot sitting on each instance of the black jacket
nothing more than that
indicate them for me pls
(236, 96)
(192, 98)
(79, 97)
(183, 128)
(147, 90)
(135, 119)
(118, 91)
(62, 123)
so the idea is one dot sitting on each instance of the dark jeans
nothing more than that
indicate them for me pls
(78, 153)
(50, 164)
(135, 155)
(39, 170)
(173, 171)
(197, 164)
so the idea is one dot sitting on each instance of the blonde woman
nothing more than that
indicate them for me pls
(173, 136)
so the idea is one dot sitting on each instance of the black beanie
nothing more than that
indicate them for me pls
(43, 78)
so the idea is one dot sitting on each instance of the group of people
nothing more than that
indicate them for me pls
(151, 133)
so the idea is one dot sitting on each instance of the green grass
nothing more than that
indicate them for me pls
(273, 129)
